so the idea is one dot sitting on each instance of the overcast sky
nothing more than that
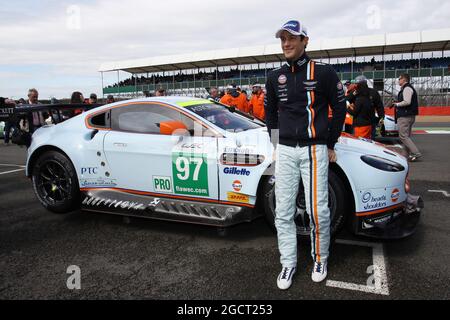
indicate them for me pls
(58, 46)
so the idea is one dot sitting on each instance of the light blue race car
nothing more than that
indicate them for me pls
(197, 161)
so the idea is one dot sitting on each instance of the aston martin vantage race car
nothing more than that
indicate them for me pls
(197, 161)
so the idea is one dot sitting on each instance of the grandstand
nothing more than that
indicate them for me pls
(381, 58)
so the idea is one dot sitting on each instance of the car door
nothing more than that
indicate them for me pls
(159, 149)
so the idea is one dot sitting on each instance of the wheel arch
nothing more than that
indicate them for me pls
(349, 191)
(38, 152)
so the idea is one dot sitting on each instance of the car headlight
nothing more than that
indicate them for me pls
(382, 164)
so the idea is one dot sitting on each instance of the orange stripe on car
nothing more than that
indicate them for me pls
(145, 193)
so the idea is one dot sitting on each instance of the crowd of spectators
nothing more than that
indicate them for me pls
(371, 65)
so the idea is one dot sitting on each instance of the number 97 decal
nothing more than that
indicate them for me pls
(190, 174)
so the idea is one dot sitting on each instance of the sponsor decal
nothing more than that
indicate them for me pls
(247, 150)
(89, 170)
(237, 197)
(237, 185)
(154, 203)
(366, 197)
(111, 203)
(197, 103)
(373, 202)
(395, 195)
(292, 25)
(97, 183)
(282, 79)
(192, 146)
(162, 184)
(237, 172)
(190, 174)
(379, 220)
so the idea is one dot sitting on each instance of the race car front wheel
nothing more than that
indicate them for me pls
(55, 182)
(336, 203)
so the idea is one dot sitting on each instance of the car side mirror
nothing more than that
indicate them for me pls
(170, 127)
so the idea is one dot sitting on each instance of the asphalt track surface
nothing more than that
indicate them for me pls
(147, 259)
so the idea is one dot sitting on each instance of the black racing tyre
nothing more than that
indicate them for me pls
(337, 203)
(55, 182)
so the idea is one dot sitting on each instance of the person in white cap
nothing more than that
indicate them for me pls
(297, 98)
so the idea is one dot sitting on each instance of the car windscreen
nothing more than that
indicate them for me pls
(223, 117)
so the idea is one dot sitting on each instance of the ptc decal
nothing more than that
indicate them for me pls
(89, 171)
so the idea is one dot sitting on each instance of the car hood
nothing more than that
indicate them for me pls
(259, 140)
(348, 143)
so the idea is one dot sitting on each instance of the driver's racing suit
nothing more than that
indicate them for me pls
(297, 100)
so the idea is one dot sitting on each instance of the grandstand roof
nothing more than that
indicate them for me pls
(390, 43)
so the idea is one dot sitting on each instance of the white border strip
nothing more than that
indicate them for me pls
(12, 171)
(12, 165)
(381, 286)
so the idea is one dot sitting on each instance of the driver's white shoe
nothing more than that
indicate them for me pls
(319, 272)
(284, 280)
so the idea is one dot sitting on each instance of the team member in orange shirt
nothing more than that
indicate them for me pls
(234, 98)
(256, 106)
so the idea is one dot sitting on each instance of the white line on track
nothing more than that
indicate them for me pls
(445, 193)
(380, 286)
(12, 171)
(12, 165)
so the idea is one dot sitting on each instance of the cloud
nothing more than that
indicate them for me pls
(73, 38)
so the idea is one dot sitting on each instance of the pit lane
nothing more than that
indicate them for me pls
(121, 259)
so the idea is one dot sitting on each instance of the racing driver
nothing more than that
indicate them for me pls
(297, 100)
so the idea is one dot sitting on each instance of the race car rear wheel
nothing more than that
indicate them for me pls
(55, 182)
(336, 203)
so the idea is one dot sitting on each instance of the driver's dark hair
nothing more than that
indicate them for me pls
(303, 38)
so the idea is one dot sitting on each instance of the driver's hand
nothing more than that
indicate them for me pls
(332, 156)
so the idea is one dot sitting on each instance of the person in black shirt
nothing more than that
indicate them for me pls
(376, 103)
(361, 110)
